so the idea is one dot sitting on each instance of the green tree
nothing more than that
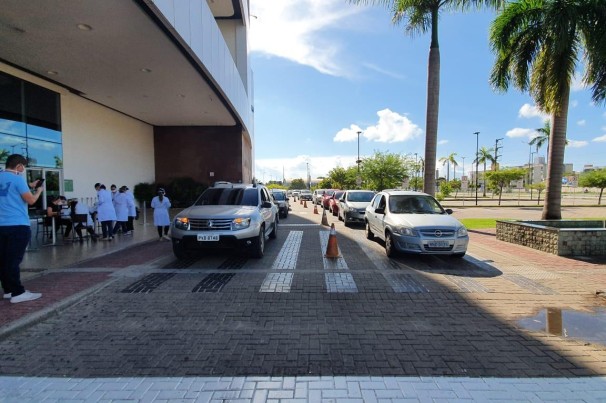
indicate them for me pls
(594, 179)
(383, 171)
(342, 178)
(455, 184)
(297, 184)
(419, 17)
(539, 187)
(538, 44)
(543, 137)
(503, 178)
(4, 154)
(484, 156)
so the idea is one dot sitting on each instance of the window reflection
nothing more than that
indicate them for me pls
(45, 154)
(12, 127)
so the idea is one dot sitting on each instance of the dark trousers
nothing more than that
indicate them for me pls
(106, 228)
(13, 241)
(161, 228)
(130, 225)
(122, 225)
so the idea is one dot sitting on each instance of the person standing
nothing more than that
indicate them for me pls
(106, 213)
(132, 210)
(161, 204)
(121, 207)
(15, 231)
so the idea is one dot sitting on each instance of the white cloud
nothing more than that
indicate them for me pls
(576, 143)
(577, 82)
(391, 128)
(531, 111)
(581, 122)
(442, 142)
(574, 103)
(294, 168)
(521, 132)
(601, 139)
(387, 73)
(296, 30)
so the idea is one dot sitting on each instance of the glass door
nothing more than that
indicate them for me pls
(53, 186)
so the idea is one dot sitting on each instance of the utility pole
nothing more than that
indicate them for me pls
(496, 154)
(477, 161)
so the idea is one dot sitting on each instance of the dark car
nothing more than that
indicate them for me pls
(282, 201)
(305, 195)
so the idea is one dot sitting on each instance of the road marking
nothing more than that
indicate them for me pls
(340, 282)
(331, 263)
(287, 258)
(277, 282)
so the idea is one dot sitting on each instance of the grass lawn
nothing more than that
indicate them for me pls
(479, 223)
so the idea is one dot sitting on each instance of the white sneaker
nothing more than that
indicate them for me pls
(26, 296)
(8, 295)
(166, 237)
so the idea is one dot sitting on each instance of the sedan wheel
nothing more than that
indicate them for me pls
(390, 250)
(369, 234)
(274, 230)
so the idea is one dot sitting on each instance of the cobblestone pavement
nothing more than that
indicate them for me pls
(295, 326)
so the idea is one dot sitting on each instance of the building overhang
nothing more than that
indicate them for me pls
(115, 53)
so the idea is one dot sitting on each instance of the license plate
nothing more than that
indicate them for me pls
(207, 238)
(438, 244)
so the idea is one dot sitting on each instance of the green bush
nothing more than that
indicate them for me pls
(144, 192)
(182, 192)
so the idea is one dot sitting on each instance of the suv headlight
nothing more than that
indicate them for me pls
(240, 223)
(462, 232)
(182, 223)
(405, 231)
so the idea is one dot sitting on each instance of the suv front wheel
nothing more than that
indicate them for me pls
(258, 246)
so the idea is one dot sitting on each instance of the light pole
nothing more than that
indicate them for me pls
(308, 177)
(477, 161)
(416, 171)
(531, 170)
(358, 179)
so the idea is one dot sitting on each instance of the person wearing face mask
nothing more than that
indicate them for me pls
(15, 232)
(161, 204)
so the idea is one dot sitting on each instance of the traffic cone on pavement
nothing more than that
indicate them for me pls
(324, 218)
(301, 201)
(305, 204)
(332, 249)
(315, 208)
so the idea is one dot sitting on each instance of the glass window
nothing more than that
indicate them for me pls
(11, 145)
(12, 127)
(11, 98)
(43, 133)
(229, 197)
(45, 154)
(42, 107)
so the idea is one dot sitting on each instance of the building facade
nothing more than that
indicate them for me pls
(126, 91)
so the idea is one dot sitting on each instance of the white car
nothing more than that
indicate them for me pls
(226, 216)
(352, 206)
(414, 222)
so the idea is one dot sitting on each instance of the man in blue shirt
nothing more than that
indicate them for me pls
(15, 232)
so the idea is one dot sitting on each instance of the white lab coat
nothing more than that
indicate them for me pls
(121, 206)
(105, 207)
(132, 210)
(161, 218)
(82, 208)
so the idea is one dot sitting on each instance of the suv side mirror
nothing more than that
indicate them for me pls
(380, 210)
(448, 211)
(266, 204)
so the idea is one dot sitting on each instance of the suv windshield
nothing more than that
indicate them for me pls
(406, 204)
(229, 197)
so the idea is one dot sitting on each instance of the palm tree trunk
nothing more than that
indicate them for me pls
(552, 208)
(433, 104)
(484, 180)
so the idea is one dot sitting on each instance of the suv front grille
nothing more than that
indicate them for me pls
(200, 224)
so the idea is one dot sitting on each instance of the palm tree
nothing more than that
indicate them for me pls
(537, 45)
(450, 160)
(484, 156)
(543, 137)
(421, 16)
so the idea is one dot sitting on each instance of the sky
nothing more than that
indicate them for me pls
(325, 69)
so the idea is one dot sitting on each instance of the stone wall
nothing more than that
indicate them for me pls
(572, 238)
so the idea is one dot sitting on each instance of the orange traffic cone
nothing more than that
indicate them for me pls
(324, 218)
(332, 250)
(305, 204)
(315, 208)
(301, 201)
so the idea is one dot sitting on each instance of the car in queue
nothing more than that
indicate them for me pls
(282, 201)
(328, 193)
(305, 195)
(352, 206)
(333, 202)
(317, 196)
(235, 216)
(416, 223)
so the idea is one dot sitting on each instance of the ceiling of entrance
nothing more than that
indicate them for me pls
(113, 53)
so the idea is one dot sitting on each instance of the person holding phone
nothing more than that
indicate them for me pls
(15, 231)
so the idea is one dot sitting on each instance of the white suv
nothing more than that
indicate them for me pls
(226, 216)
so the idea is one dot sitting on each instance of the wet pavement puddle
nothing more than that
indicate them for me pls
(578, 325)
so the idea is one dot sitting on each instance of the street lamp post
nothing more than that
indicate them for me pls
(531, 170)
(416, 171)
(358, 179)
(477, 161)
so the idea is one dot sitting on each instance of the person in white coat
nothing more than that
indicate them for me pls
(121, 207)
(81, 209)
(161, 204)
(132, 210)
(106, 213)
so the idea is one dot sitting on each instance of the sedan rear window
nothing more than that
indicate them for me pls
(229, 197)
(360, 196)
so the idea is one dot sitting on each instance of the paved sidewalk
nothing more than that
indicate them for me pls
(505, 281)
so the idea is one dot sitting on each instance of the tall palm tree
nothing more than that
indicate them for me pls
(537, 45)
(450, 160)
(543, 137)
(421, 16)
(484, 156)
